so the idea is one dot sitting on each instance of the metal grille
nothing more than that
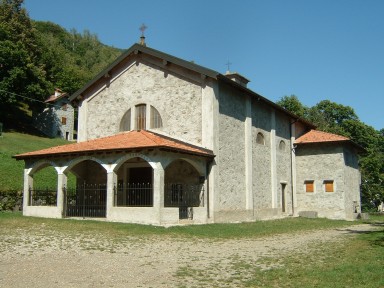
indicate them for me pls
(183, 195)
(134, 195)
(87, 200)
(42, 197)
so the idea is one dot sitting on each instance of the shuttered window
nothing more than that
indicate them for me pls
(63, 120)
(328, 185)
(309, 186)
(141, 117)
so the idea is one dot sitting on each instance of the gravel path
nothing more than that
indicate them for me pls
(61, 260)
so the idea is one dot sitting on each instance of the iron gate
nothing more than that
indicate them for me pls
(88, 200)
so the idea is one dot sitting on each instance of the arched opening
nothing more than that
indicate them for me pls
(183, 188)
(44, 189)
(260, 139)
(282, 145)
(88, 197)
(134, 184)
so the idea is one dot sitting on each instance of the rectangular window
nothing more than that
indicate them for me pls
(141, 117)
(309, 186)
(328, 186)
(63, 120)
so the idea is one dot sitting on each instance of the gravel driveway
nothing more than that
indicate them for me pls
(61, 260)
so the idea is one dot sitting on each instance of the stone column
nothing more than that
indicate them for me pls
(61, 182)
(158, 190)
(111, 181)
(28, 182)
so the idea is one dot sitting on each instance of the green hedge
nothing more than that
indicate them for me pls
(11, 200)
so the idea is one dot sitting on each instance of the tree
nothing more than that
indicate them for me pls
(21, 72)
(293, 105)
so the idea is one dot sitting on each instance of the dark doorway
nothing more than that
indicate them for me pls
(141, 175)
(283, 185)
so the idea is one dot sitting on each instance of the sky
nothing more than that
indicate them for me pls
(315, 49)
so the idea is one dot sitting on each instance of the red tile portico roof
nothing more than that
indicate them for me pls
(315, 136)
(125, 141)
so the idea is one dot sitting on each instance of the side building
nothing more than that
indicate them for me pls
(57, 119)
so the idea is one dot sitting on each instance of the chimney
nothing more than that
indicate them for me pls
(142, 38)
(236, 77)
(58, 92)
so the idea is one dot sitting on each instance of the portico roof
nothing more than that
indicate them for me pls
(124, 141)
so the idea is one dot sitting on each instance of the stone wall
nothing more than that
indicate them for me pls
(352, 182)
(283, 162)
(231, 154)
(261, 156)
(319, 162)
(49, 121)
(177, 100)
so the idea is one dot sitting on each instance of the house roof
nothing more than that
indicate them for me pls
(316, 136)
(125, 141)
(138, 48)
(54, 98)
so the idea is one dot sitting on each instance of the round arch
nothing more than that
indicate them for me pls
(72, 163)
(41, 165)
(127, 157)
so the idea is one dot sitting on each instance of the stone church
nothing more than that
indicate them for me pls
(164, 141)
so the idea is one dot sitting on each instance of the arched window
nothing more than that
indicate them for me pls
(125, 124)
(260, 138)
(282, 145)
(156, 121)
(140, 118)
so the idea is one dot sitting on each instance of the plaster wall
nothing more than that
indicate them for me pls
(321, 162)
(177, 99)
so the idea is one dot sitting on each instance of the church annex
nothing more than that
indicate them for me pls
(164, 141)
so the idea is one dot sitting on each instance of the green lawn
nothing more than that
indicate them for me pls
(355, 261)
(11, 171)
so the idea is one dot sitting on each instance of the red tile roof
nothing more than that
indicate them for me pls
(124, 141)
(54, 98)
(315, 136)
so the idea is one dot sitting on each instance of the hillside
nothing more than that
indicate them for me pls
(11, 171)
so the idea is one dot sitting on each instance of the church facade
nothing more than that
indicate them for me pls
(164, 141)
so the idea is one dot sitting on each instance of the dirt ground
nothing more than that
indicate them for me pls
(61, 260)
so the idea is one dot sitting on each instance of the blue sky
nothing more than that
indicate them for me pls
(317, 50)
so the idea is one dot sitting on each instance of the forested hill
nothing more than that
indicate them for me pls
(36, 57)
(71, 58)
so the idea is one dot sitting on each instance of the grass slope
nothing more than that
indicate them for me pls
(11, 171)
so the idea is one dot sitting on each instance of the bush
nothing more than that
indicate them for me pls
(11, 200)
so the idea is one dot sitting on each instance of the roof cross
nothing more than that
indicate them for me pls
(142, 29)
(228, 64)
